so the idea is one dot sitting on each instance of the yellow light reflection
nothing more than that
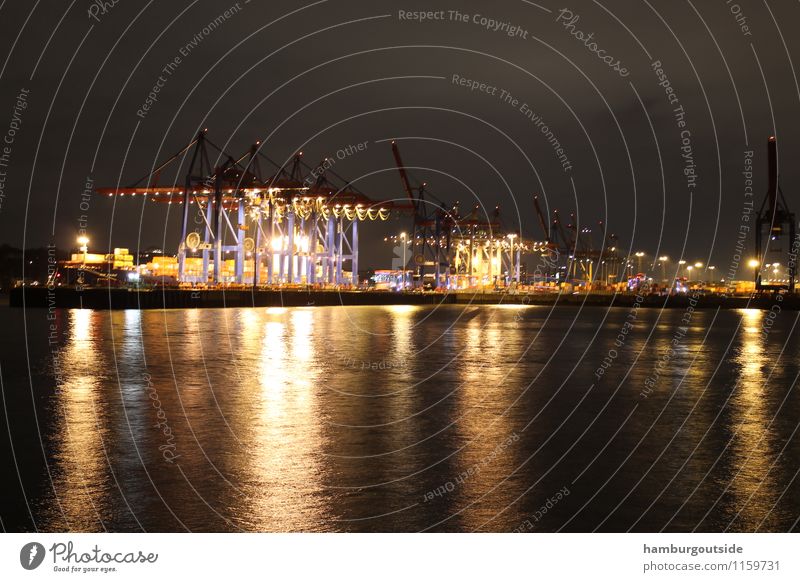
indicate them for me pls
(80, 322)
(285, 433)
(752, 483)
(402, 308)
(751, 319)
(488, 346)
(81, 480)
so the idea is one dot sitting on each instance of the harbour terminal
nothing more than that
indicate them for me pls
(290, 236)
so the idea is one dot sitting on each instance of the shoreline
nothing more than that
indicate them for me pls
(105, 298)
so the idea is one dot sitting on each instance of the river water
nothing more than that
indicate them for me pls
(400, 418)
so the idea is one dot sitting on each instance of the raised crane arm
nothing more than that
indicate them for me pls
(403, 175)
(542, 221)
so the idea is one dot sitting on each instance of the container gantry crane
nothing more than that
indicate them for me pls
(298, 230)
(777, 222)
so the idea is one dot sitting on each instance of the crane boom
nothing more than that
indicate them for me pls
(403, 175)
(568, 242)
(542, 221)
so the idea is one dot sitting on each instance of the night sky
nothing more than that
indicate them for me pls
(320, 76)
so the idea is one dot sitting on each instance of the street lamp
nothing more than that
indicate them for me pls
(403, 238)
(639, 256)
(753, 264)
(698, 265)
(680, 269)
(663, 260)
(511, 238)
(711, 268)
(83, 241)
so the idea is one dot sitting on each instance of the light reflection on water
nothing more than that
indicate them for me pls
(80, 459)
(754, 452)
(284, 473)
(346, 419)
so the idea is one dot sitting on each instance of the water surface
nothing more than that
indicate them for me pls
(399, 418)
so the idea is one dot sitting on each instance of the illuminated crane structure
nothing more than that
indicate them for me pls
(775, 262)
(580, 256)
(431, 230)
(485, 253)
(240, 226)
(463, 251)
(298, 224)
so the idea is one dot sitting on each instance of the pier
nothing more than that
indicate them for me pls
(167, 298)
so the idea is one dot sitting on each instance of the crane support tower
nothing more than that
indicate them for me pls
(295, 226)
(775, 233)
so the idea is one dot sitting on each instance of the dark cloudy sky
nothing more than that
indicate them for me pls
(318, 76)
